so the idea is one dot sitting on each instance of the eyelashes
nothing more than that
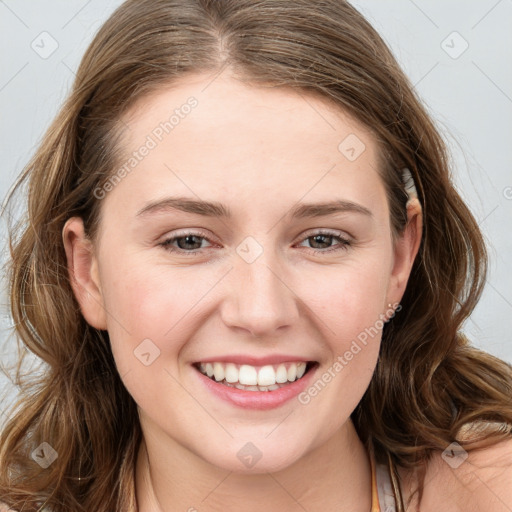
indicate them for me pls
(343, 243)
(195, 238)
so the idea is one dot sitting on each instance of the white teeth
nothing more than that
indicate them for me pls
(247, 375)
(281, 374)
(292, 372)
(218, 371)
(301, 369)
(231, 374)
(264, 378)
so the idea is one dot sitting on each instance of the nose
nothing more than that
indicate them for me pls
(259, 297)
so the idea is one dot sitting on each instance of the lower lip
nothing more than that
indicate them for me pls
(261, 400)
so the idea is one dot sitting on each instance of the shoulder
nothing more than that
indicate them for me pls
(4, 508)
(482, 481)
(469, 480)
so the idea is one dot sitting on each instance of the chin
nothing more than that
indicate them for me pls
(246, 457)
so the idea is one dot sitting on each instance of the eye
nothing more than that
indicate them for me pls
(188, 243)
(325, 238)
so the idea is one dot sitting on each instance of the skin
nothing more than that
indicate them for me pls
(258, 151)
(483, 482)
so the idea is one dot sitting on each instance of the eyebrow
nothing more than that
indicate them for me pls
(215, 209)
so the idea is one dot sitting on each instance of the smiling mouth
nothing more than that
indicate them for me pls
(255, 378)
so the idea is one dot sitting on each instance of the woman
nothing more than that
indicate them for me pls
(303, 352)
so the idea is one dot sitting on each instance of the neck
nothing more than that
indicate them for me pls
(333, 476)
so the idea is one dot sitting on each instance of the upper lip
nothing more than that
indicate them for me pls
(253, 360)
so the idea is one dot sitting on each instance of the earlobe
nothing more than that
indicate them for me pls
(405, 251)
(83, 272)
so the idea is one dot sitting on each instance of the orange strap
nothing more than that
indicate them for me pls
(375, 493)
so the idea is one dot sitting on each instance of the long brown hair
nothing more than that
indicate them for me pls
(428, 382)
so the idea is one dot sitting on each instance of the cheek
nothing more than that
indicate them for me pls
(157, 302)
(350, 302)
(150, 316)
(348, 297)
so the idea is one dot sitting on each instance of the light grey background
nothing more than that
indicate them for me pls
(467, 90)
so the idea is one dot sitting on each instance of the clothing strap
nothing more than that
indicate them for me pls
(383, 498)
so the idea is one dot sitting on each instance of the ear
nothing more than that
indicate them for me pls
(405, 251)
(83, 272)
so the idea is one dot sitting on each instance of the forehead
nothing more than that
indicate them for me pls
(280, 116)
(221, 139)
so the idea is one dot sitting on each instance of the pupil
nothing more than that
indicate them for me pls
(317, 237)
(189, 240)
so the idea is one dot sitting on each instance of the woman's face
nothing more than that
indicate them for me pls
(253, 231)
